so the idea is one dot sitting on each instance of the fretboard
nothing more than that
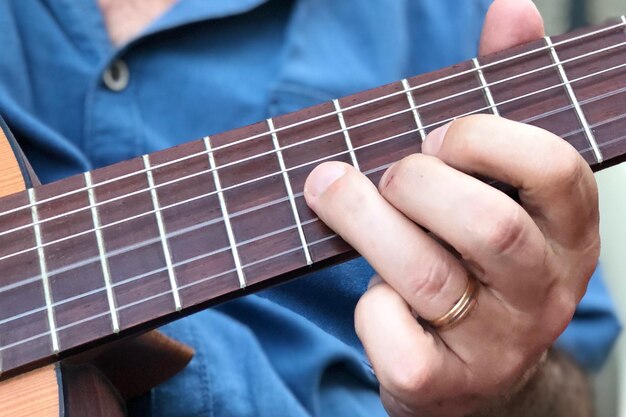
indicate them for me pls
(140, 243)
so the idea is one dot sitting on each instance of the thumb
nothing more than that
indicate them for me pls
(510, 23)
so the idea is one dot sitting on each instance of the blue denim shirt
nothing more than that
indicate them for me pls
(209, 66)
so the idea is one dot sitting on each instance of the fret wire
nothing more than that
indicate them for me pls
(292, 200)
(212, 277)
(68, 326)
(104, 262)
(610, 142)
(602, 123)
(417, 87)
(308, 140)
(346, 134)
(34, 203)
(189, 285)
(229, 229)
(330, 156)
(227, 165)
(485, 85)
(568, 107)
(169, 235)
(374, 170)
(278, 255)
(44, 273)
(162, 233)
(416, 115)
(159, 270)
(574, 100)
(151, 241)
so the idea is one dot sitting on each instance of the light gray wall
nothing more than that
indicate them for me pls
(557, 12)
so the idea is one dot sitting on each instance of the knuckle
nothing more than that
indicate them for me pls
(569, 170)
(586, 264)
(409, 377)
(432, 279)
(360, 316)
(561, 309)
(567, 307)
(507, 232)
(470, 127)
(365, 306)
(592, 257)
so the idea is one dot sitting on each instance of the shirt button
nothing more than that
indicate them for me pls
(116, 76)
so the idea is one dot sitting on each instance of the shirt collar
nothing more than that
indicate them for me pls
(186, 12)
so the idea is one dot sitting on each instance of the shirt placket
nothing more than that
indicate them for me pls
(112, 125)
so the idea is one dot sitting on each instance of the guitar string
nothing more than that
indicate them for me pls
(239, 244)
(268, 176)
(147, 274)
(148, 242)
(234, 215)
(501, 104)
(473, 71)
(200, 281)
(154, 167)
(583, 151)
(144, 300)
(201, 225)
(274, 151)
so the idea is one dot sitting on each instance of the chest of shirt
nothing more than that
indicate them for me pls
(202, 68)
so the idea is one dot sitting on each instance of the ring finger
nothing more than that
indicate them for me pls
(493, 233)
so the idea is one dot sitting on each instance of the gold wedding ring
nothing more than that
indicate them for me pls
(461, 310)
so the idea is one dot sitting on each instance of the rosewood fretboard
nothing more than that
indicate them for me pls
(114, 256)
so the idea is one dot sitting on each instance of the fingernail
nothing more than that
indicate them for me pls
(434, 140)
(322, 177)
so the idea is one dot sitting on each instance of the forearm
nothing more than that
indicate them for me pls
(559, 388)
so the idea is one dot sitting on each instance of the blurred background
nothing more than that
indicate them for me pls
(560, 16)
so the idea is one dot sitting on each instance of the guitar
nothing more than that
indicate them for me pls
(115, 252)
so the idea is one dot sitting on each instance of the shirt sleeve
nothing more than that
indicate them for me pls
(595, 327)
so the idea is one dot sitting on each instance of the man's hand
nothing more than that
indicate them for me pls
(532, 259)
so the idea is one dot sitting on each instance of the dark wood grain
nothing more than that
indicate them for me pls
(16, 300)
(468, 97)
(550, 109)
(603, 100)
(190, 253)
(331, 147)
(197, 236)
(69, 285)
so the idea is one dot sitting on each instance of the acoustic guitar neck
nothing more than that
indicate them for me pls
(131, 246)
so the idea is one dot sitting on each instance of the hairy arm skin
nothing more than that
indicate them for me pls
(558, 388)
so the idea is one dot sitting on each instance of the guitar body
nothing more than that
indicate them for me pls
(95, 383)
(42, 393)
